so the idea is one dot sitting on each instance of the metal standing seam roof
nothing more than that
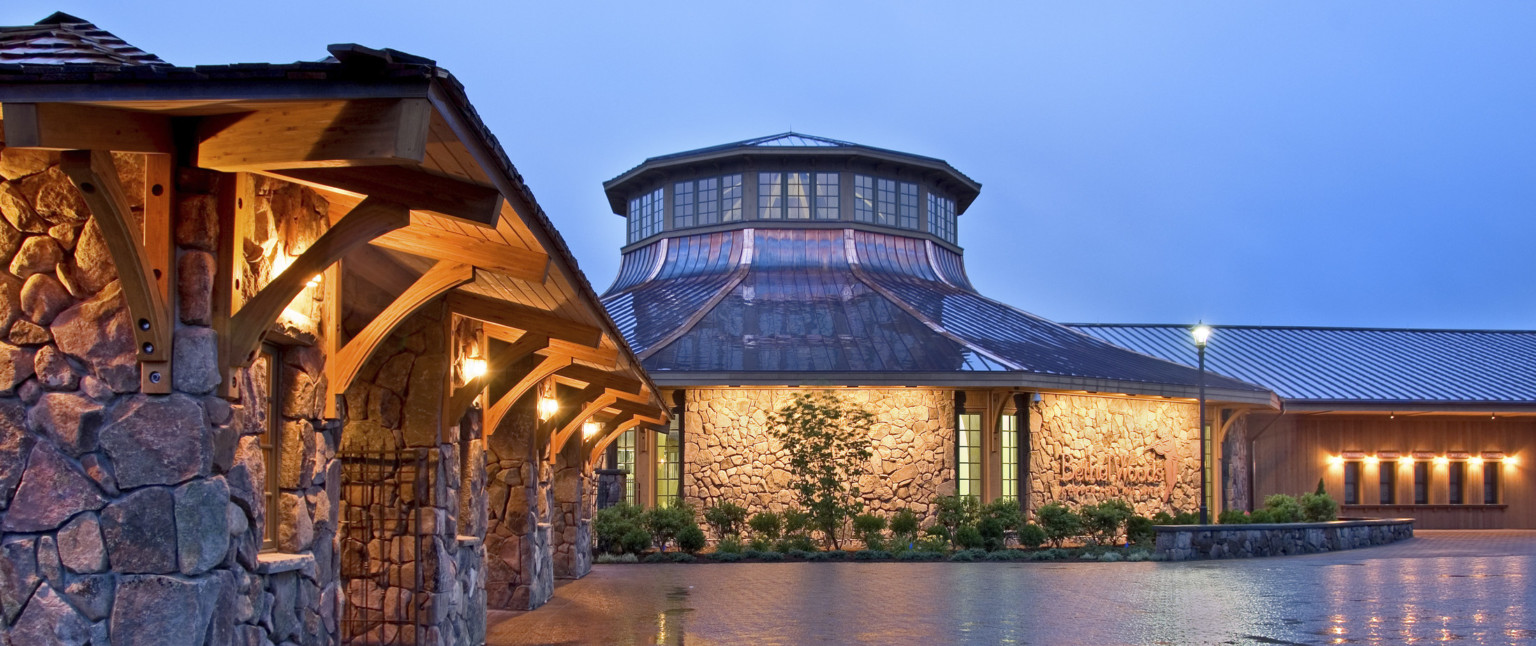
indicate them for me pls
(808, 302)
(1354, 366)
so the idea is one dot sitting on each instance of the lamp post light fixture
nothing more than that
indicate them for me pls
(1202, 333)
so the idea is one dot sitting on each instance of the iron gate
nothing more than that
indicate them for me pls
(384, 496)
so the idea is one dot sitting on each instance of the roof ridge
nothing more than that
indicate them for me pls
(1319, 328)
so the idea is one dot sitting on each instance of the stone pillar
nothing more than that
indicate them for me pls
(1235, 466)
(520, 567)
(572, 522)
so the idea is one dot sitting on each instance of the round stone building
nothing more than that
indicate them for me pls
(758, 269)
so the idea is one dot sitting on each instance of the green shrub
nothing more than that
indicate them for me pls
(955, 511)
(871, 530)
(933, 542)
(765, 526)
(1260, 516)
(1233, 517)
(795, 543)
(613, 525)
(905, 523)
(993, 533)
(1031, 536)
(1186, 518)
(726, 519)
(617, 558)
(667, 523)
(1283, 509)
(1005, 511)
(967, 556)
(969, 538)
(727, 557)
(798, 554)
(760, 544)
(691, 539)
(920, 555)
(1138, 530)
(1110, 557)
(1319, 507)
(1059, 522)
(655, 557)
(729, 545)
(871, 555)
(770, 557)
(1103, 521)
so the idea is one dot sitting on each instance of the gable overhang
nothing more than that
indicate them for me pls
(962, 380)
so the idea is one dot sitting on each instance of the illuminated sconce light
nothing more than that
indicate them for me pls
(1510, 460)
(548, 406)
(1335, 460)
(474, 368)
(314, 281)
(1404, 461)
(1475, 461)
(590, 428)
(1372, 460)
(1441, 460)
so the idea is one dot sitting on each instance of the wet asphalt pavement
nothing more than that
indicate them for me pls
(1440, 587)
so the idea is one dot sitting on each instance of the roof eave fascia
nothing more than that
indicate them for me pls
(1405, 406)
(617, 203)
(1012, 379)
(486, 155)
(210, 90)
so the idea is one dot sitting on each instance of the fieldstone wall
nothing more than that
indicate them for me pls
(1192, 542)
(396, 404)
(1236, 467)
(519, 542)
(1086, 449)
(136, 519)
(729, 455)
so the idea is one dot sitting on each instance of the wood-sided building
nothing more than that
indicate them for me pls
(288, 354)
(1435, 425)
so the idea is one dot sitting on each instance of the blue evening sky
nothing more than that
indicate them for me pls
(1302, 163)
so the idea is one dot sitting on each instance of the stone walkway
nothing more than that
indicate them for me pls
(1456, 587)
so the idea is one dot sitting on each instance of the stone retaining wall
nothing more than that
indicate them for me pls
(1195, 542)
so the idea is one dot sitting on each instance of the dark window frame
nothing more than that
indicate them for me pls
(271, 443)
(1456, 483)
(1421, 482)
(1491, 485)
(1387, 480)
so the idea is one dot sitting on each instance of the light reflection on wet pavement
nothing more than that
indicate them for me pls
(1442, 587)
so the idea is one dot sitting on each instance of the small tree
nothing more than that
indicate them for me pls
(766, 525)
(827, 443)
(871, 529)
(953, 513)
(667, 523)
(904, 526)
(726, 519)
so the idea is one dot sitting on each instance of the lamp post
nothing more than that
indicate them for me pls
(1202, 333)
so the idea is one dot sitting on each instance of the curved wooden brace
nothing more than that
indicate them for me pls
(601, 442)
(499, 410)
(571, 428)
(371, 218)
(343, 368)
(95, 175)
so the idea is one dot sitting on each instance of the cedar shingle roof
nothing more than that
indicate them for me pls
(62, 38)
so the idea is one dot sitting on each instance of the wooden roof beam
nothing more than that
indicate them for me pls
(322, 134)
(67, 126)
(370, 219)
(631, 389)
(522, 317)
(422, 191)
(522, 264)
(575, 423)
(343, 368)
(598, 355)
